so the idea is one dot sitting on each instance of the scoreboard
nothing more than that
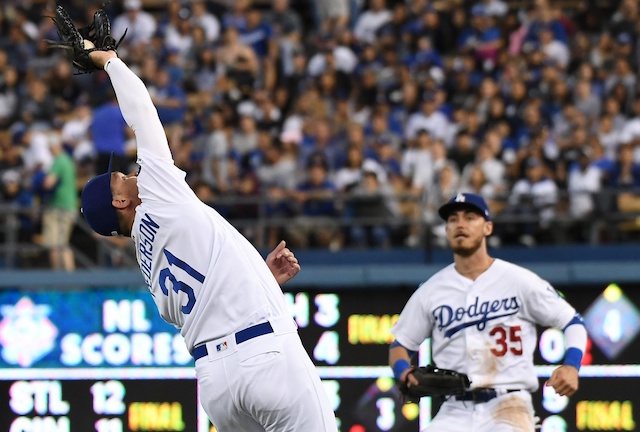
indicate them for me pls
(101, 359)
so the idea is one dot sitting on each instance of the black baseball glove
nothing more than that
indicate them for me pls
(434, 381)
(74, 40)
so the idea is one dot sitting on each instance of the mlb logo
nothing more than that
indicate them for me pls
(221, 347)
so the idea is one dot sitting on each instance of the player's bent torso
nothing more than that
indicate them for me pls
(204, 276)
(484, 328)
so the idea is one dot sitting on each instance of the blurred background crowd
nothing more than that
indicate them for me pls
(339, 123)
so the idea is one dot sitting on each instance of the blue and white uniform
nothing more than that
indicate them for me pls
(211, 283)
(485, 328)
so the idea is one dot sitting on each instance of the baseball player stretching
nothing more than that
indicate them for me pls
(481, 315)
(208, 281)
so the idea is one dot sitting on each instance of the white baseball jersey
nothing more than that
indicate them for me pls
(210, 282)
(205, 277)
(485, 328)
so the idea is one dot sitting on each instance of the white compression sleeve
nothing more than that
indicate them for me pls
(138, 109)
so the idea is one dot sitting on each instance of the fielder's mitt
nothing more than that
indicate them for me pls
(79, 42)
(433, 381)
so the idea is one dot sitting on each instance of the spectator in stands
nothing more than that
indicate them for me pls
(239, 60)
(428, 118)
(19, 198)
(316, 224)
(139, 25)
(625, 172)
(75, 133)
(109, 133)
(371, 200)
(447, 184)
(60, 212)
(258, 34)
(534, 198)
(9, 96)
(463, 151)
(553, 49)
(245, 139)
(586, 101)
(37, 109)
(583, 185)
(371, 20)
(178, 34)
(324, 142)
(474, 181)
(168, 97)
(201, 17)
(331, 15)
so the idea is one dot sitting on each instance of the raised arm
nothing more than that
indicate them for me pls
(135, 103)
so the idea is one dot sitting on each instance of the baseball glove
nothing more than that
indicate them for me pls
(79, 42)
(434, 381)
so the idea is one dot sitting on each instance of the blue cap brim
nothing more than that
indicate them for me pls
(450, 207)
(97, 206)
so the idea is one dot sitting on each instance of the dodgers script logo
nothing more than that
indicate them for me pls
(26, 334)
(453, 320)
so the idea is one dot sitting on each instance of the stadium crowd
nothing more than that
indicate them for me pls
(392, 106)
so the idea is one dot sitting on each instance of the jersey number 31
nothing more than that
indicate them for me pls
(177, 285)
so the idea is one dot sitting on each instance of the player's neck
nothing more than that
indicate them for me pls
(474, 265)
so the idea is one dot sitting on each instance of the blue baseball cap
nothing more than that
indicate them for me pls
(97, 209)
(467, 201)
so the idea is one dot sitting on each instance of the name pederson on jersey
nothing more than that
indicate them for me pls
(485, 328)
(205, 277)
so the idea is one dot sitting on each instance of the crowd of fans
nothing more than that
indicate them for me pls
(344, 118)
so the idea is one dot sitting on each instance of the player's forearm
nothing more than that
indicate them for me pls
(137, 108)
(399, 360)
(575, 336)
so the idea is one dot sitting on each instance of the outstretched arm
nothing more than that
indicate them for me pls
(135, 103)
(283, 263)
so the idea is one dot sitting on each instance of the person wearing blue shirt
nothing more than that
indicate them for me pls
(316, 225)
(109, 133)
(258, 34)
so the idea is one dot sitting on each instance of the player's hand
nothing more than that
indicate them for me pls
(564, 380)
(408, 378)
(283, 263)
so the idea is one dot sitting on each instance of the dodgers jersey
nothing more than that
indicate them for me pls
(205, 277)
(485, 328)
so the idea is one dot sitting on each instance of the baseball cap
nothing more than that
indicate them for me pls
(132, 4)
(465, 200)
(96, 204)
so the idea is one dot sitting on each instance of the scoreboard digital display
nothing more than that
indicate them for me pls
(102, 360)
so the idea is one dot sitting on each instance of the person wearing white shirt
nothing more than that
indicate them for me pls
(201, 17)
(344, 60)
(554, 49)
(609, 136)
(583, 181)
(371, 20)
(429, 119)
(534, 195)
(139, 25)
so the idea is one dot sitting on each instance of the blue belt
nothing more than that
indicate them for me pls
(241, 336)
(481, 395)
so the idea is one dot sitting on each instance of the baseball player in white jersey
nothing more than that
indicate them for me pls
(209, 281)
(481, 315)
